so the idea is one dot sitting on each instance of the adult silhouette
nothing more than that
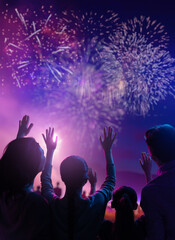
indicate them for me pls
(23, 213)
(158, 196)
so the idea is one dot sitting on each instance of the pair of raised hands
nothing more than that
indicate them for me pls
(25, 127)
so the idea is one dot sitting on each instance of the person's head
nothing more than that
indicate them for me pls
(124, 201)
(74, 172)
(124, 193)
(22, 160)
(161, 143)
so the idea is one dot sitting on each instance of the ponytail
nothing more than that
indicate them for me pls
(124, 227)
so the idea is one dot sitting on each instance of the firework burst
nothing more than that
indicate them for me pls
(140, 64)
(86, 79)
(36, 47)
(82, 118)
(80, 103)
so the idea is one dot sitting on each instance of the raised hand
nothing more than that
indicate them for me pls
(48, 138)
(146, 164)
(108, 139)
(24, 127)
(92, 177)
(92, 180)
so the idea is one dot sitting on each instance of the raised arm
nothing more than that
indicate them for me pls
(92, 180)
(50, 144)
(107, 144)
(146, 164)
(24, 127)
(46, 182)
(109, 183)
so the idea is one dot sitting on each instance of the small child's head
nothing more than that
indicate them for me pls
(74, 172)
(22, 160)
(124, 193)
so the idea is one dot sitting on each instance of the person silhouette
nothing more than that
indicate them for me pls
(158, 196)
(125, 227)
(38, 190)
(57, 190)
(84, 194)
(23, 213)
(73, 216)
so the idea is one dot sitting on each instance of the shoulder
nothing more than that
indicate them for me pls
(98, 198)
(154, 184)
(157, 183)
(149, 190)
(151, 196)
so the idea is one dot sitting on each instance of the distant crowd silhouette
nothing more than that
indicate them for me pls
(43, 215)
(56, 189)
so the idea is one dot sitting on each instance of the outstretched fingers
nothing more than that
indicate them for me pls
(108, 140)
(52, 132)
(29, 128)
(24, 129)
(48, 138)
(141, 164)
(145, 161)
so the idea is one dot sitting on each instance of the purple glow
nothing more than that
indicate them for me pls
(53, 73)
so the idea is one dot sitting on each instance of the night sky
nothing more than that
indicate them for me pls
(130, 139)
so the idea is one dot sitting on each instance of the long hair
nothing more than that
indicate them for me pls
(124, 201)
(74, 173)
(21, 162)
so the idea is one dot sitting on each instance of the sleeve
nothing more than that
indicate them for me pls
(109, 183)
(153, 217)
(46, 183)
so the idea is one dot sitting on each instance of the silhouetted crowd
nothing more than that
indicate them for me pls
(56, 189)
(44, 215)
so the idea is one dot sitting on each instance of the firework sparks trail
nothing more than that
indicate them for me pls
(80, 98)
(13, 45)
(141, 62)
(107, 67)
(85, 118)
(48, 19)
(38, 48)
(91, 24)
(89, 110)
(80, 101)
(21, 18)
(86, 77)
